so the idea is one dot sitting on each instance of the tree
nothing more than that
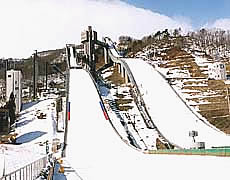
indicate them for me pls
(166, 33)
(157, 35)
(177, 32)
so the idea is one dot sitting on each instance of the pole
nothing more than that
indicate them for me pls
(6, 73)
(228, 101)
(90, 47)
(6, 64)
(46, 68)
(34, 74)
(4, 162)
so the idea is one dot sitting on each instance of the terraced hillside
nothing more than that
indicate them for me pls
(184, 61)
(187, 72)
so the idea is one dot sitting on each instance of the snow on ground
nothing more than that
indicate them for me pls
(95, 151)
(168, 111)
(32, 134)
(129, 120)
(32, 129)
(200, 61)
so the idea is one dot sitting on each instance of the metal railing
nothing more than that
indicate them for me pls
(28, 172)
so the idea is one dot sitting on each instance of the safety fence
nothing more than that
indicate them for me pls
(28, 172)
(224, 152)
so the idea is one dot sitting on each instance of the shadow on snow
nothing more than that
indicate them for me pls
(25, 138)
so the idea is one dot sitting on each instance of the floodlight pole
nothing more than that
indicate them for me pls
(46, 69)
(34, 74)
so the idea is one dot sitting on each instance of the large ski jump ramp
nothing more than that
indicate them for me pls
(169, 113)
(96, 152)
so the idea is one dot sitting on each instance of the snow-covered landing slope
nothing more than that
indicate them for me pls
(95, 151)
(169, 113)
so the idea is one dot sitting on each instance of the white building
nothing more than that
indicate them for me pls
(13, 84)
(217, 71)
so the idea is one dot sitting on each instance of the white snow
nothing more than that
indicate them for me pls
(95, 151)
(169, 112)
(200, 61)
(32, 134)
(131, 119)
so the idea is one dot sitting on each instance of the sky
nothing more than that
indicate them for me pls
(28, 25)
(199, 12)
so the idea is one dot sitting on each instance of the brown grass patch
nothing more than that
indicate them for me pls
(160, 145)
(216, 110)
(116, 78)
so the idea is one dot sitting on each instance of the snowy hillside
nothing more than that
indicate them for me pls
(185, 66)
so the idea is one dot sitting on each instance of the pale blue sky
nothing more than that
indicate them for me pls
(199, 12)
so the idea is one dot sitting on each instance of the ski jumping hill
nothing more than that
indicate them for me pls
(169, 113)
(173, 118)
(95, 151)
